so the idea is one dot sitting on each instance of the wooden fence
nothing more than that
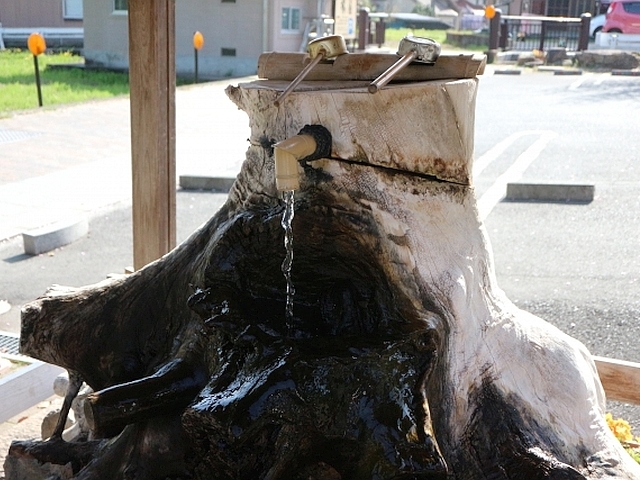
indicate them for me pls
(526, 33)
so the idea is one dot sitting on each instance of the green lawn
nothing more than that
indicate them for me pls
(393, 36)
(59, 86)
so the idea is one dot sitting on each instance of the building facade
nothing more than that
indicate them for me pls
(41, 13)
(235, 32)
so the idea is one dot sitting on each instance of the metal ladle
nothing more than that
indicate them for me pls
(319, 49)
(411, 49)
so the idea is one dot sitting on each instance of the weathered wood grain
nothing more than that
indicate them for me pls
(403, 353)
(424, 128)
(620, 379)
(152, 78)
(368, 66)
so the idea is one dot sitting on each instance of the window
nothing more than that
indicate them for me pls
(228, 52)
(120, 5)
(557, 8)
(632, 7)
(72, 9)
(290, 19)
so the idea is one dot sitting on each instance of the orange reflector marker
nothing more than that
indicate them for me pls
(198, 41)
(36, 43)
(489, 11)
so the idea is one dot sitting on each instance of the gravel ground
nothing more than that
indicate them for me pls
(25, 426)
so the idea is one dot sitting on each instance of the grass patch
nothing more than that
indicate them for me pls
(59, 86)
(392, 37)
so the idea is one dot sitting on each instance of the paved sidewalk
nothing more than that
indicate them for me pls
(59, 163)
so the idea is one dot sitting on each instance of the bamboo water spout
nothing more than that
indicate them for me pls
(313, 142)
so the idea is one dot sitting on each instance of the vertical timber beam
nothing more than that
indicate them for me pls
(494, 32)
(153, 133)
(363, 28)
(583, 39)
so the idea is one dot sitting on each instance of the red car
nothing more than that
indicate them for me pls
(623, 16)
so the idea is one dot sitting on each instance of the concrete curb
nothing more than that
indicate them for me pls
(559, 70)
(49, 237)
(550, 68)
(630, 73)
(568, 72)
(507, 71)
(539, 192)
(196, 182)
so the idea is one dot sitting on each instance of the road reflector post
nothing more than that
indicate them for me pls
(495, 36)
(198, 43)
(37, 46)
(489, 11)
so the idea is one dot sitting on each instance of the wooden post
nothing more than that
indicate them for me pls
(38, 86)
(494, 31)
(543, 34)
(583, 40)
(363, 28)
(152, 85)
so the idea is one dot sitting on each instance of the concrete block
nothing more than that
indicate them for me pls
(507, 71)
(506, 57)
(556, 56)
(560, 70)
(607, 59)
(25, 387)
(196, 182)
(541, 192)
(629, 73)
(52, 236)
(568, 72)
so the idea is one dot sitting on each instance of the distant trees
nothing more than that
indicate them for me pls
(423, 9)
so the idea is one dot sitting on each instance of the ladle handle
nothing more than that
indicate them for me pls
(305, 71)
(390, 72)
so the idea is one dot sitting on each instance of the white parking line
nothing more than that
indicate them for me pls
(485, 160)
(601, 78)
(497, 191)
(575, 85)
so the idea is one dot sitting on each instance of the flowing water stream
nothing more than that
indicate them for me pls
(287, 219)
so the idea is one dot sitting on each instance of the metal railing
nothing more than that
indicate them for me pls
(511, 32)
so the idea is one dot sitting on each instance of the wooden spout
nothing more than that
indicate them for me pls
(167, 391)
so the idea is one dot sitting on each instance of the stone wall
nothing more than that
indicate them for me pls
(607, 59)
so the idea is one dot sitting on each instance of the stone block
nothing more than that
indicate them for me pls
(555, 56)
(507, 71)
(195, 182)
(541, 192)
(607, 59)
(568, 72)
(55, 235)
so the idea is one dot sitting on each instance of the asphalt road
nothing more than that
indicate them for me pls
(575, 265)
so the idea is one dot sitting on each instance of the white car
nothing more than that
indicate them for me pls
(596, 25)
